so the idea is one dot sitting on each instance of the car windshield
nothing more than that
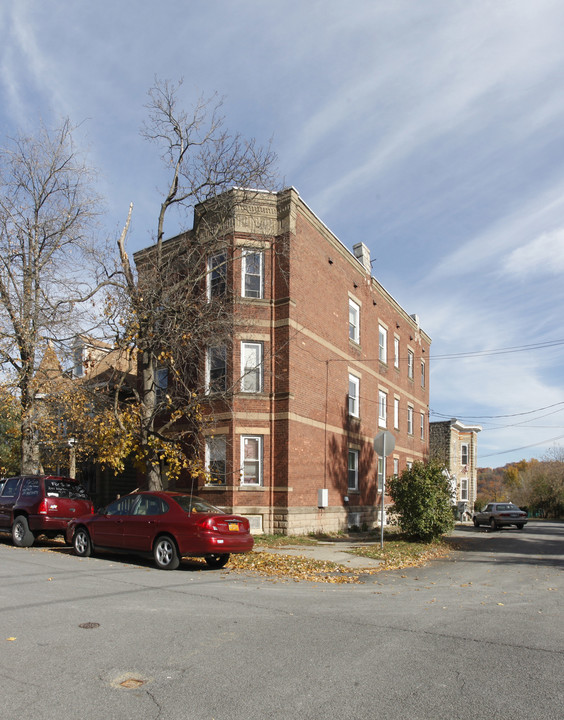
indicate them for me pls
(192, 504)
(61, 488)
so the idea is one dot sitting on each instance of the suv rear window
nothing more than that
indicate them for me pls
(55, 487)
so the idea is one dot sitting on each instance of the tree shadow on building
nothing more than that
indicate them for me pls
(352, 438)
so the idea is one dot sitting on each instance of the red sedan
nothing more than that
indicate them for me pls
(168, 525)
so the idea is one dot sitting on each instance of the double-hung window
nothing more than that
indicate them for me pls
(410, 362)
(216, 369)
(382, 344)
(252, 274)
(251, 460)
(396, 352)
(161, 383)
(216, 464)
(422, 426)
(353, 470)
(422, 373)
(382, 408)
(464, 454)
(354, 396)
(396, 413)
(409, 420)
(354, 321)
(251, 367)
(217, 275)
(380, 473)
(464, 488)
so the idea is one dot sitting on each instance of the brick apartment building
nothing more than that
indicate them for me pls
(322, 359)
(455, 444)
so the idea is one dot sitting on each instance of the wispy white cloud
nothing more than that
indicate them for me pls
(542, 256)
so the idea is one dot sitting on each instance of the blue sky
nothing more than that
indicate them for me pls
(432, 131)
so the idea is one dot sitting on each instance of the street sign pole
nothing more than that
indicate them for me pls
(384, 444)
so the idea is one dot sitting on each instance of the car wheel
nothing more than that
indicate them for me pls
(217, 561)
(82, 543)
(475, 521)
(21, 534)
(520, 526)
(493, 524)
(165, 553)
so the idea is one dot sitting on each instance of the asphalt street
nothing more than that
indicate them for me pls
(478, 635)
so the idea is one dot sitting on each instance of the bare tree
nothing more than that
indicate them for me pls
(176, 304)
(48, 270)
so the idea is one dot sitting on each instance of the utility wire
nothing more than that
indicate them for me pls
(499, 351)
(495, 417)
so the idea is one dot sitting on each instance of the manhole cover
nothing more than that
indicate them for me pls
(89, 625)
(131, 683)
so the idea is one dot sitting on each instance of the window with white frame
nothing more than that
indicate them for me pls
(353, 470)
(396, 413)
(382, 344)
(422, 373)
(396, 466)
(409, 464)
(354, 396)
(464, 454)
(216, 369)
(464, 488)
(396, 352)
(251, 367)
(380, 473)
(252, 274)
(251, 460)
(382, 408)
(217, 275)
(216, 463)
(422, 426)
(410, 363)
(409, 420)
(354, 321)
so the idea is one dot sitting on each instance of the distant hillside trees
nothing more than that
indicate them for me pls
(537, 485)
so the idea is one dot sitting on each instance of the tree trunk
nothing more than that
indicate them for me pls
(149, 395)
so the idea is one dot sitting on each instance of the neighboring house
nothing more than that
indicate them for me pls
(323, 358)
(97, 366)
(455, 444)
(97, 362)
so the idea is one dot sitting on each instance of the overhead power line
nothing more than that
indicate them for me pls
(495, 417)
(499, 351)
(523, 447)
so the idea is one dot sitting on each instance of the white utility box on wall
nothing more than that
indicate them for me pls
(323, 498)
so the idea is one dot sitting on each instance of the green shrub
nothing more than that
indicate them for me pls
(422, 501)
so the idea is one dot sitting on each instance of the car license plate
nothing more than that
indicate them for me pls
(234, 527)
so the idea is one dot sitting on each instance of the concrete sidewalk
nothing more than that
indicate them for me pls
(327, 552)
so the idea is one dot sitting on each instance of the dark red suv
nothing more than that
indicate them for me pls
(33, 505)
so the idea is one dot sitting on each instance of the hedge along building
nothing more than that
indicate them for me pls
(321, 359)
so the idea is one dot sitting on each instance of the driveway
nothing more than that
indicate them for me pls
(477, 635)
